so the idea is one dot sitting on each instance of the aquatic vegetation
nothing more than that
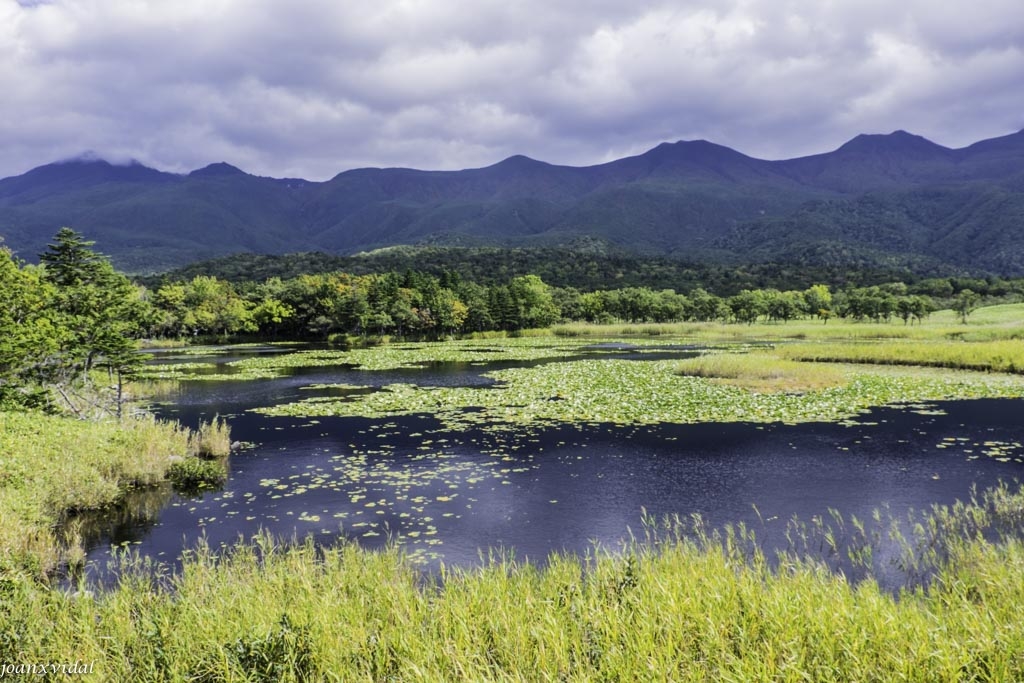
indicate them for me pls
(212, 439)
(647, 392)
(191, 474)
(201, 371)
(392, 357)
(387, 357)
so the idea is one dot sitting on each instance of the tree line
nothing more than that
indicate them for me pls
(421, 305)
(68, 326)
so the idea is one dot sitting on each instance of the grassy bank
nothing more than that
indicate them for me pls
(1002, 322)
(698, 609)
(52, 466)
(990, 356)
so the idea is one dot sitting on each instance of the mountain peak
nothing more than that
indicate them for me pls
(518, 161)
(89, 167)
(692, 150)
(220, 168)
(898, 141)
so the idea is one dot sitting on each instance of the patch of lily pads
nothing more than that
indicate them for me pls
(377, 491)
(647, 392)
(389, 357)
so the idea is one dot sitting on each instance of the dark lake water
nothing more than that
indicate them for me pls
(451, 496)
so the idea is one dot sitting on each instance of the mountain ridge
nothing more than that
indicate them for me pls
(896, 196)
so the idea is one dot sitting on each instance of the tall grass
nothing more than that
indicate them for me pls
(212, 439)
(1003, 322)
(686, 609)
(54, 466)
(761, 372)
(992, 356)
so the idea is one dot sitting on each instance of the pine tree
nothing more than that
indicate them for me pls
(100, 313)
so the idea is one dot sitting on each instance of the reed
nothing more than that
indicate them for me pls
(53, 466)
(686, 608)
(991, 323)
(991, 356)
(762, 372)
(212, 439)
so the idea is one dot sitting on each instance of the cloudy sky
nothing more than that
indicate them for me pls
(308, 88)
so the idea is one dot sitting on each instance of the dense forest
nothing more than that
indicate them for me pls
(422, 305)
(587, 265)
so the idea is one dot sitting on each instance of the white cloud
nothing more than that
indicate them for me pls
(311, 87)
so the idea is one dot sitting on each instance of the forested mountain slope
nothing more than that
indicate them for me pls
(894, 200)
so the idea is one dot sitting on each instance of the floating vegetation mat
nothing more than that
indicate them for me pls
(648, 392)
(392, 357)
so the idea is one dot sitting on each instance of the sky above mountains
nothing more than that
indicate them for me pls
(306, 88)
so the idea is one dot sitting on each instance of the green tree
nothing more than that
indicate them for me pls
(27, 336)
(748, 306)
(212, 306)
(703, 307)
(533, 301)
(965, 303)
(818, 302)
(100, 314)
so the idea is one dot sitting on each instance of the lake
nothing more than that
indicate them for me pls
(454, 495)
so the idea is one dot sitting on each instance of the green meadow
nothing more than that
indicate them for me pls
(990, 323)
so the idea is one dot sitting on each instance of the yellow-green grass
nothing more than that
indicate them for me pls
(993, 356)
(1005, 321)
(762, 372)
(212, 440)
(51, 466)
(684, 611)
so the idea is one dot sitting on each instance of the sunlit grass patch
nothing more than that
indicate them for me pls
(992, 356)
(762, 372)
(51, 466)
(212, 440)
(990, 323)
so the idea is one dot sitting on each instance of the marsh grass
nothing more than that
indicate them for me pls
(190, 475)
(991, 323)
(762, 372)
(153, 389)
(52, 467)
(705, 605)
(212, 439)
(990, 356)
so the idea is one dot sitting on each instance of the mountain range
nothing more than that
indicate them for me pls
(879, 200)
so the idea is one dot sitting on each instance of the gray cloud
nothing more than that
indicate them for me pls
(311, 87)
